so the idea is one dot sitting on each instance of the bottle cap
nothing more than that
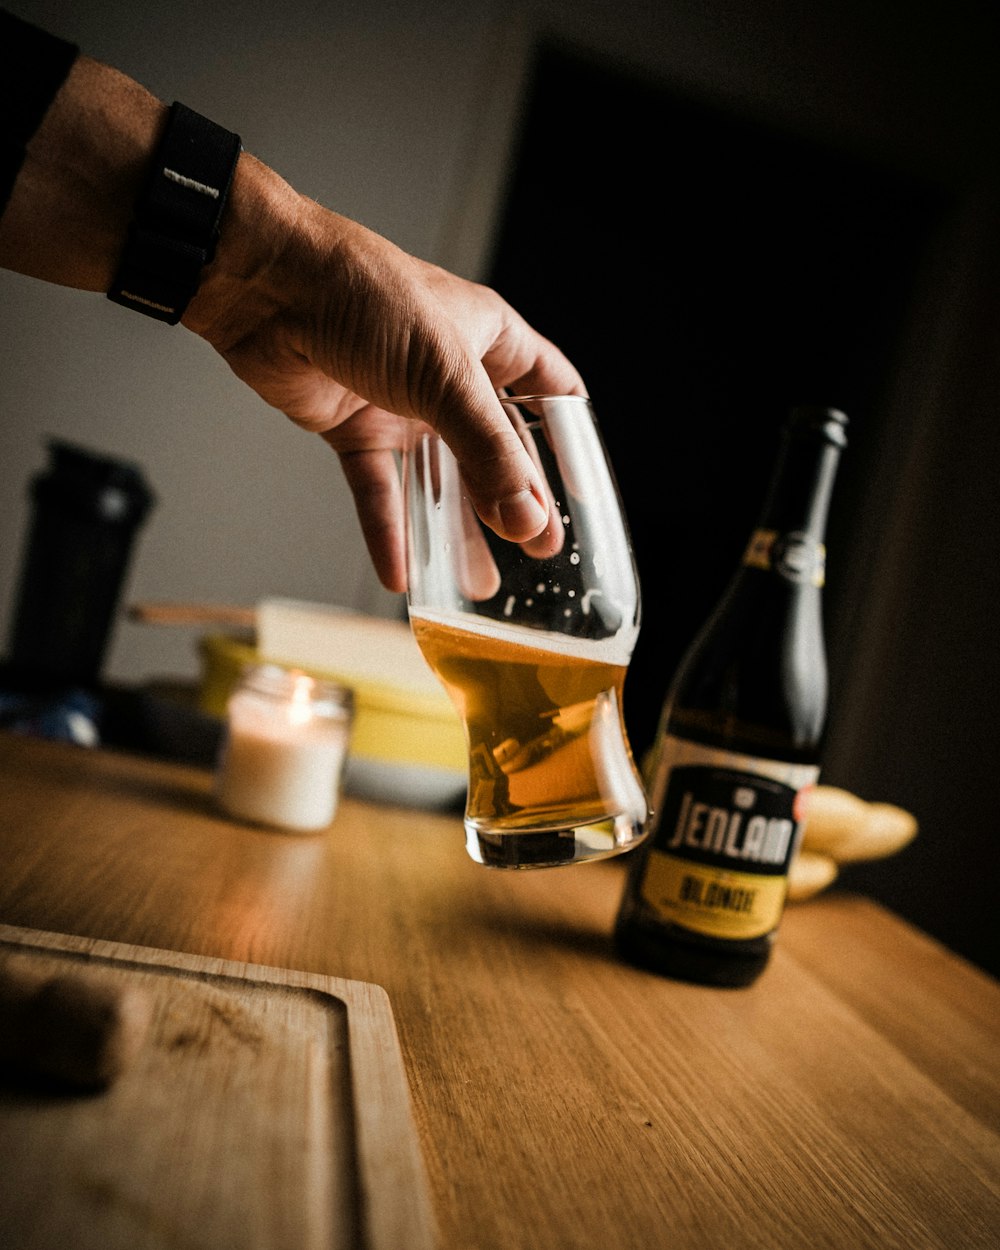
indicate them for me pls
(827, 421)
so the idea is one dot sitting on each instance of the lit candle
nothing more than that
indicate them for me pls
(284, 749)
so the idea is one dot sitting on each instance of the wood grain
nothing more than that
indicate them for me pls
(66, 1026)
(563, 1101)
(267, 1110)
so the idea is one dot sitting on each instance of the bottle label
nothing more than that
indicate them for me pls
(794, 556)
(728, 827)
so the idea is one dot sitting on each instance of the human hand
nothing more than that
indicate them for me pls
(355, 340)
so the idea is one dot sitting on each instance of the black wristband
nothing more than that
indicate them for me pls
(176, 224)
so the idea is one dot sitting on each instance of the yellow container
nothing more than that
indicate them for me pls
(407, 746)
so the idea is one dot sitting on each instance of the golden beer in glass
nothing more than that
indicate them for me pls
(532, 643)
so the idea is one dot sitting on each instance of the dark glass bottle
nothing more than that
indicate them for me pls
(88, 509)
(740, 740)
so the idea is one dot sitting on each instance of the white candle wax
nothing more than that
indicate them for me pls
(281, 762)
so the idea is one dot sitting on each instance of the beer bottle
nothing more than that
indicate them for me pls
(739, 740)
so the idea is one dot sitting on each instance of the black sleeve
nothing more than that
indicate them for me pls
(33, 66)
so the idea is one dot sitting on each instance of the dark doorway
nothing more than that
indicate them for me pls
(705, 273)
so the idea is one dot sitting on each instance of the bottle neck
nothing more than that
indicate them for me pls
(789, 535)
(800, 491)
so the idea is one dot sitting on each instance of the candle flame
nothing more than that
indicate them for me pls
(300, 707)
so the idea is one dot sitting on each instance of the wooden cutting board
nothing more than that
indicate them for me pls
(266, 1110)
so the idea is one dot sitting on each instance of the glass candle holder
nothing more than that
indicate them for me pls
(284, 749)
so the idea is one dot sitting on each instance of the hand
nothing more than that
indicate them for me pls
(354, 339)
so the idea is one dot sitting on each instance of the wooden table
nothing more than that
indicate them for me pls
(850, 1099)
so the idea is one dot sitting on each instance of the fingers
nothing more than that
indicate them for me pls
(549, 541)
(503, 483)
(525, 363)
(476, 572)
(490, 348)
(514, 355)
(378, 498)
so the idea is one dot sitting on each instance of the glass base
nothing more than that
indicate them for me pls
(551, 847)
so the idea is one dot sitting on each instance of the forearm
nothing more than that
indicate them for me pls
(74, 198)
(278, 260)
(69, 211)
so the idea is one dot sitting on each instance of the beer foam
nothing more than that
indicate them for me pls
(615, 650)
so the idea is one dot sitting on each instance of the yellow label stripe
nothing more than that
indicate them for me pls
(715, 901)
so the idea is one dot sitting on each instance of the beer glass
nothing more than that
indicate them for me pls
(532, 641)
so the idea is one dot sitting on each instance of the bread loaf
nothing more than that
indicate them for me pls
(841, 828)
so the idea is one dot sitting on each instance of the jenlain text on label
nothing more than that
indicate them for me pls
(732, 831)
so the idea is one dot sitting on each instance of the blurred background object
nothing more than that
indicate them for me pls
(407, 743)
(790, 204)
(86, 512)
(841, 828)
